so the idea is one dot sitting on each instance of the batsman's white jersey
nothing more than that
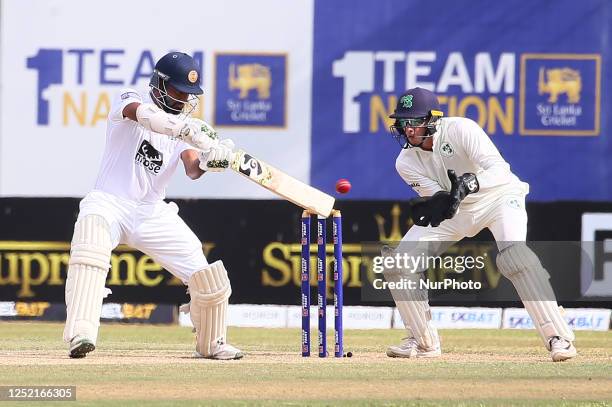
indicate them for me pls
(137, 164)
(461, 145)
(136, 168)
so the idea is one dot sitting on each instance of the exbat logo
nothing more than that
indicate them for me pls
(74, 86)
(471, 317)
(520, 323)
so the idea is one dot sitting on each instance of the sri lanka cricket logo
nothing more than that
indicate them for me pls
(560, 95)
(248, 77)
(559, 81)
(250, 89)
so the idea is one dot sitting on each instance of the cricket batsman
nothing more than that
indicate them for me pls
(145, 139)
(464, 186)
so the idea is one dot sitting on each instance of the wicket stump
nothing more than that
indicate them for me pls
(322, 283)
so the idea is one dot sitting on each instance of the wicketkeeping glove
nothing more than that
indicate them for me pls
(431, 210)
(460, 188)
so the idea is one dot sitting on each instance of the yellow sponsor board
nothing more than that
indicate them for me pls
(27, 265)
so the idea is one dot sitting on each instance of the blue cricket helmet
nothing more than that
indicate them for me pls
(178, 70)
(415, 103)
(181, 72)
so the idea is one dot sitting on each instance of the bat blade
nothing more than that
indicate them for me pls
(282, 184)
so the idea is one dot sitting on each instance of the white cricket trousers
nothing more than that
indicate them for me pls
(155, 229)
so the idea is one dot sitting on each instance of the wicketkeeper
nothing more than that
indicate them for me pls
(465, 186)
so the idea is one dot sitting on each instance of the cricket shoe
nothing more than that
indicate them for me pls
(561, 349)
(222, 351)
(80, 346)
(409, 348)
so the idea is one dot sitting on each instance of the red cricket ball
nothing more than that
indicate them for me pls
(343, 185)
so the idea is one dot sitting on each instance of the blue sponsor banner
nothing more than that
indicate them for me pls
(532, 74)
(250, 90)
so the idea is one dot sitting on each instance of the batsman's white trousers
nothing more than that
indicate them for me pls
(155, 229)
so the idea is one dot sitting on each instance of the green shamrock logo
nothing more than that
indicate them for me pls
(406, 101)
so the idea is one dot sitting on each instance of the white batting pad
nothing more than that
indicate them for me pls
(89, 264)
(210, 290)
(521, 266)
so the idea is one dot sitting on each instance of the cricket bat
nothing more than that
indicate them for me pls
(282, 184)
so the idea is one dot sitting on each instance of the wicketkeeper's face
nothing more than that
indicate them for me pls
(415, 134)
(411, 132)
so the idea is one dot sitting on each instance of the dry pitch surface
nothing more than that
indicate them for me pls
(152, 366)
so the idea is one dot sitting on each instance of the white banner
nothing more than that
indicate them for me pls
(290, 316)
(579, 319)
(460, 318)
(111, 311)
(294, 316)
(354, 317)
(62, 62)
(7, 309)
(251, 315)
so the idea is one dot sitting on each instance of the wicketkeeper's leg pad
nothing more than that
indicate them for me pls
(87, 269)
(413, 306)
(210, 290)
(523, 268)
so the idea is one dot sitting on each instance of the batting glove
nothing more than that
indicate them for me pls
(199, 134)
(218, 158)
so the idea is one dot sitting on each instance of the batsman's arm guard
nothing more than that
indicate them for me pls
(155, 119)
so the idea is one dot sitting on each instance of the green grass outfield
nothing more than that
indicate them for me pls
(152, 366)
